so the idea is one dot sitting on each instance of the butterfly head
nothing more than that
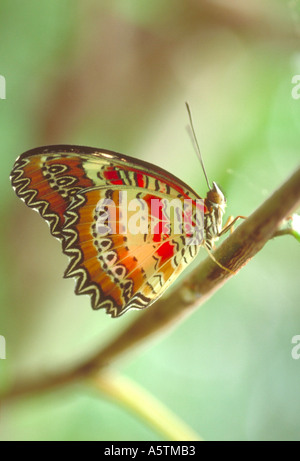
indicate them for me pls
(215, 203)
(215, 197)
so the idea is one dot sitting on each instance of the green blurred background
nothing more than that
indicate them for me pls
(116, 74)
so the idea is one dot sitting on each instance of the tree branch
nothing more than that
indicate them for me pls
(234, 253)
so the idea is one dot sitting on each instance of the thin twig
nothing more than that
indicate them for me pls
(140, 402)
(234, 253)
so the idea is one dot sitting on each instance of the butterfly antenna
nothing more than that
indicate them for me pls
(195, 143)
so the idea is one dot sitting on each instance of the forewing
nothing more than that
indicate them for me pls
(47, 178)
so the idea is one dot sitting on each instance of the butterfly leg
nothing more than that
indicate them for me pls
(229, 225)
(216, 261)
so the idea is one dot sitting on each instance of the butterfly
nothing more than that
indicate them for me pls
(120, 270)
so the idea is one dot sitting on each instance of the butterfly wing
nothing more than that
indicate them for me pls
(123, 270)
(120, 270)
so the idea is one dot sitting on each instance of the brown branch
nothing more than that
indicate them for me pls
(234, 253)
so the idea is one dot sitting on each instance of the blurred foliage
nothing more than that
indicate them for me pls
(116, 75)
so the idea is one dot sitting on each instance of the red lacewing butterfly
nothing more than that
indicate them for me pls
(121, 270)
